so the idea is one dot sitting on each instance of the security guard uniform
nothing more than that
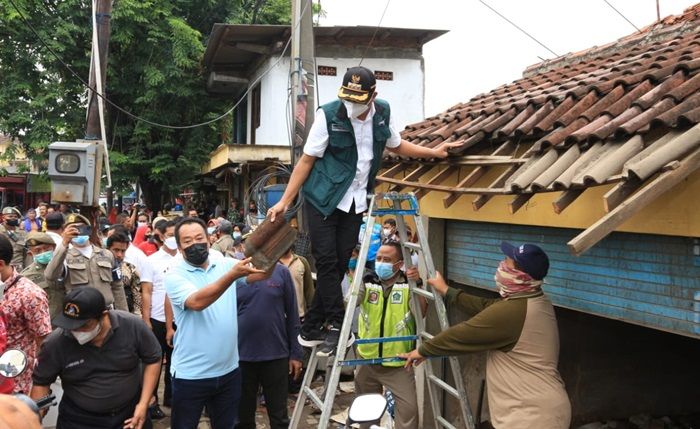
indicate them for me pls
(17, 237)
(54, 289)
(96, 271)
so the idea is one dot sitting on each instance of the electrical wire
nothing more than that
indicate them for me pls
(375, 32)
(132, 115)
(516, 26)
(623, 16)
(256, 191)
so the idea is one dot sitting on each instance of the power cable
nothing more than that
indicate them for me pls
(132, 115)
(375, 32)
(623, 16)
(516, 26)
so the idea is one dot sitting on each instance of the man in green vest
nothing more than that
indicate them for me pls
(385, 311)
(337, 171)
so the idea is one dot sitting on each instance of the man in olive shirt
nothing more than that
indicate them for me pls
(98, 354)
(41, 246)
(17, 236)
(82, 264)
(519, 331)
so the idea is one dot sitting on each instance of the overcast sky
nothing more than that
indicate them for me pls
(481, 50)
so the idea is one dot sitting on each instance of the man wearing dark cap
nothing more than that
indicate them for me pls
(17, 236)
(342, 156)
(54, 226)
(519, 331)
(98, 354)
(82, 264)
(41, 247)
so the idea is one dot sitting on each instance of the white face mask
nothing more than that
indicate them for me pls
(387, 232)
(355, 110)
(170, 243)
(140, 224)
(86, 337)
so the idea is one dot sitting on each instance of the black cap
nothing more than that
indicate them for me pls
(530, 258)
(80, 305)
(54, 220)
(358, 85)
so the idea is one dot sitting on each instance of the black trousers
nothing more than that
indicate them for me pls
(160, 331)
(332, 239)
(272, 376)
(71, 416)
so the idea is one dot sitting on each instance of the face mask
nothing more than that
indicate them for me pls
(140, 224)
(387, 232)
(355, 110)
(86, 337)
(239, 255)
(236, 235)
(170, 243)
(104, 242)
(44, 257)
(80, 240)
(13, 222)
(211, 230)
(385, 270)
(352, 263)
(197, 253)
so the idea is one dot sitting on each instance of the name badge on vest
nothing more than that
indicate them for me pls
(116, 273)
(339, 128)
(396, 297)
(373, 297)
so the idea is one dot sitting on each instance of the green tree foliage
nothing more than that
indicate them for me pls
(155, 71)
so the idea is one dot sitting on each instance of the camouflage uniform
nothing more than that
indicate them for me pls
(132, 286)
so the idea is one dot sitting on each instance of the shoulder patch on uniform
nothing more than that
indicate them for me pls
(396, 297)
(373, 297)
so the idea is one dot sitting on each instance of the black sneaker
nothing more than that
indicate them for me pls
(155, 413)
(331, 343)
(311, 338)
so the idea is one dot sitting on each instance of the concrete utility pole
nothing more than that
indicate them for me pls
(302, 74)
(303, 78)
(103, 15)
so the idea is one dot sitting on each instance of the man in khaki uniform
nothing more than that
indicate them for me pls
(224, 241)
(42, 247)
(10, 228)
(81, 263)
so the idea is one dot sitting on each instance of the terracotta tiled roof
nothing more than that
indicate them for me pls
(581, 120)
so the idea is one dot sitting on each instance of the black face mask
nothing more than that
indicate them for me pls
(196, 254)
(13, 222)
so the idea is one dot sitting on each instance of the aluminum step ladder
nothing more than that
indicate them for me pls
(399, 205)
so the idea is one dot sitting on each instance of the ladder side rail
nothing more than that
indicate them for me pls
(301, 398)
(350, 306)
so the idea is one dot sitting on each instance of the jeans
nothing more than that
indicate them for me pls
(221, 395)
(332, 239)
(160, 331)
(272, 375)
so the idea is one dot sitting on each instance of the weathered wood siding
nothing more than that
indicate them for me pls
(650, 280)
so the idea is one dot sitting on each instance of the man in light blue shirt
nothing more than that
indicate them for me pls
(204, 364)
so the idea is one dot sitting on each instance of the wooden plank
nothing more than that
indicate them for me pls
(565, 199)
(412, 177)
(443, 175)
(498, 183)
(475, 175)
(518, 202)
(394, 170)
(441, 188)
(607, 224)
(620, 192)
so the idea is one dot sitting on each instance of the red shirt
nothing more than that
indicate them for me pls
(6, 384)
(148, 248)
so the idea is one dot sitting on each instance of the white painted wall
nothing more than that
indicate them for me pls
(405, 93)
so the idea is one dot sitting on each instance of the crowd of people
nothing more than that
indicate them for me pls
(130, 293)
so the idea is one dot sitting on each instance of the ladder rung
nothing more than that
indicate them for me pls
(314, 397)
(386, 339)
(427, 335)
(445, 423)
(412, 246)
(423, 292)
(446, 387)
(375, 361)
(402, 212)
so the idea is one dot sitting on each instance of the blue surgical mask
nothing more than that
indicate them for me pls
(236, 235)
(211, 230)
(352, 263)
(44, 258)
(104, 242)
(80, 240)
(385, 270)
